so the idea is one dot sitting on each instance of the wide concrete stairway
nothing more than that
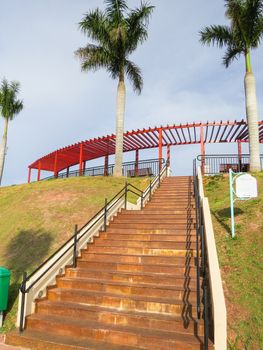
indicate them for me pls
(134, 287)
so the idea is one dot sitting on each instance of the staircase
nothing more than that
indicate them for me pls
(134, 287)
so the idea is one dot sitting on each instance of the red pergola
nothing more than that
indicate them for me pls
(157, 137)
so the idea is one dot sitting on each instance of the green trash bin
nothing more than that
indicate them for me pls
(4, 286)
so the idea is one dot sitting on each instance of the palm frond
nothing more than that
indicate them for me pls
(231, 54)
(137, 23)
(94, 25)
(253, 21)
(216, 35)
(134, 75)
(93, 57)
(115, 10)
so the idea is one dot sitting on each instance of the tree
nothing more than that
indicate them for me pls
(116, 32)
(244, 34)
(10, 106)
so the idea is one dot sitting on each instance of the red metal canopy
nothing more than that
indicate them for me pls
(157, 137)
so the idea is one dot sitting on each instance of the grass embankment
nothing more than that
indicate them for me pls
(36, 219)
(241, 262)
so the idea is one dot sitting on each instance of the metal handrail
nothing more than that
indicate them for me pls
(221, 163)
(200, 251)
(100, 170)
(102, 213)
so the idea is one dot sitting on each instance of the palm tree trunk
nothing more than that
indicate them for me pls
(121, 97)
(3, 150)
(252, 117)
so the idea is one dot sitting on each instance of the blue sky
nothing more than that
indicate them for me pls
(183, 81)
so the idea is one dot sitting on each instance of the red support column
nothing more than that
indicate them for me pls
(202, 149)
(239, 147)
(160, 148)
(39, 171)
(56, 165)
(29, 175)
(81, 160)
(136, 162)
(106, 165)
(168, 155)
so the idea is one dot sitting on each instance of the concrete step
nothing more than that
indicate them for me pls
(128, 289)
(134, 277)
(133, 257)
(144, 237)
(152, 218)
(101, 265)
(120, 317)
(138, 303)
(115, 334)
(149, 225)
(144, 251)
(143, 244)
(49, 341)
(175, 230)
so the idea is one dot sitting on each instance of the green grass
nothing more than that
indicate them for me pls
(240, 261)
(36, 219)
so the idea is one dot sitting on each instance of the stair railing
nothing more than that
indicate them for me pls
(35, 284)
(200, 268)
(210, 297)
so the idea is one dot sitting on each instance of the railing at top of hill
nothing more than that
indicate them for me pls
(34, 285)
(213, 164)
(147, 167)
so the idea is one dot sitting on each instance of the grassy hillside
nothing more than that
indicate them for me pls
(36, 219)
(241, 262)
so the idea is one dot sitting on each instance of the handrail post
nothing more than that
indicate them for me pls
(22, 310)
(150, 189)
(105, 215)
(141, 200)
(75, 247)
(159, 179)
(125, 195)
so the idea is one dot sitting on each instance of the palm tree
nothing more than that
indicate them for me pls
(244, 34)
(117, 32)
(9, 107)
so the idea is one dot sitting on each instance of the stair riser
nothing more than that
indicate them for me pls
(109, 266)
(143, 244)
(179, 258)
(154, 220)
(116, 237)
(157, 226)
(143, 251)
(121, 303)
(137, 279)
(171, 231)
(127, 290)
(110, 318)
(153, 216)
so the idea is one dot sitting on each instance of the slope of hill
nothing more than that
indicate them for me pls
(241, 261)
(36, 219)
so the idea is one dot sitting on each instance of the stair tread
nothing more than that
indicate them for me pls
(127, 284)
(168, 335)
(99, 308)
(51, 340)
(122, 296)
(135, 273)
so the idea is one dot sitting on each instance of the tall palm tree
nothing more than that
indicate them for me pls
(244, 34)
(10, 106)
(117, 32)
